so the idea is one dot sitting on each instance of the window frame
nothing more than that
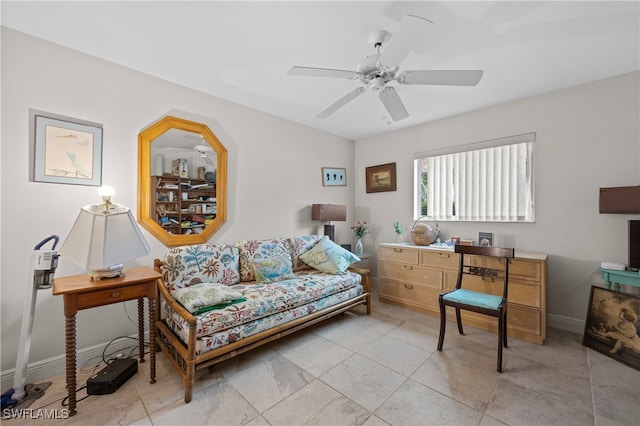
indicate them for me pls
(524, 213)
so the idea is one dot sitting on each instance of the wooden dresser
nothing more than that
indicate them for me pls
(414, 276)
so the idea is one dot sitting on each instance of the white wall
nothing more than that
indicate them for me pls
(587, 137)
(274, 175)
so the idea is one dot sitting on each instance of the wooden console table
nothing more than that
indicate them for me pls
(620, 277)
(81, 292)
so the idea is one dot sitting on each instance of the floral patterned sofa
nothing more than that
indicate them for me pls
(220, 300)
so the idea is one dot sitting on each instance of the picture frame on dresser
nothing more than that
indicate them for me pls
(65, 150)
(613, 326)
(381, 178)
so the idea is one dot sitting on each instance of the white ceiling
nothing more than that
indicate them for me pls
(241, 51)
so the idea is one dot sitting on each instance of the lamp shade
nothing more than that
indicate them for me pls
(104, 237)
(621, 199)
(328, 212)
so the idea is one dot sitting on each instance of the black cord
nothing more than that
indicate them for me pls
(77, 400)
(132, 349)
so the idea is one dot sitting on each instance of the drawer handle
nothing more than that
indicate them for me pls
(408, 286)
(408, 267)
(443, 254)
(115, 294)
(397, 250)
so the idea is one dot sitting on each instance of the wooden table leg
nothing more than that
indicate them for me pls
(141, 327)
(70, 345)
(152, 337)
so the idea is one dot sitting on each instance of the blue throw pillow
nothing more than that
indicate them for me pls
(327, 256)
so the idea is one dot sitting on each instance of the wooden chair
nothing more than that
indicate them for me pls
(484, 271)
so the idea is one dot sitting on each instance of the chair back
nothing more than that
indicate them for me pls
(490, 264)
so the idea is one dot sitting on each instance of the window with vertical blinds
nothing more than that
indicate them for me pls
(490, 181)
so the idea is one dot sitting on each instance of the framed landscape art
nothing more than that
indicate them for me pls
(381, 178)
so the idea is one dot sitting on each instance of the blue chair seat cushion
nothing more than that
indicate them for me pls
(474, 298)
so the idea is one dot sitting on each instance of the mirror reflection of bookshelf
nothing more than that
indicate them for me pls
(183, 205)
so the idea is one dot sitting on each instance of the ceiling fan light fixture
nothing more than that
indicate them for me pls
(377, 84)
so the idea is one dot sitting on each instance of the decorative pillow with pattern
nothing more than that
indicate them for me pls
(203, 297)
(188, 265)
(272, 269)
(299, 245)
(258, 250)
(326, 256)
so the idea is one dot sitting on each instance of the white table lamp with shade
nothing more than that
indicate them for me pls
(103, 237)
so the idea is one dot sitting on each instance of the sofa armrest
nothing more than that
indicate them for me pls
(366, 277)
(171, 301)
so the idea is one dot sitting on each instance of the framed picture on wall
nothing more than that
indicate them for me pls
(65, 150)
(612, 326)
(381, 178)
(334, 176)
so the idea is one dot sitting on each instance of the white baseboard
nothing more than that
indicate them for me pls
(566, 323)
(87, 357)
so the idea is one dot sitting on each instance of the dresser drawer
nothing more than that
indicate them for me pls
(105, 297)
(520, 321)
(409, 293)
(411, 273)
(518, 268)
(521, 293)
(399, 254)
(439, 259)
(525, 320)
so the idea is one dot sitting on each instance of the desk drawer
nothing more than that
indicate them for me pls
(114, 295)
(397, 254)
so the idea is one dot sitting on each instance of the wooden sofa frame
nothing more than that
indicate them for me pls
(187, 362)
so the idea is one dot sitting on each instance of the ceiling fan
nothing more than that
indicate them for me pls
(202, 150)
(378, 70)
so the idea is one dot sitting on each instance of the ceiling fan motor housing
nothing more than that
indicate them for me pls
(369, 64)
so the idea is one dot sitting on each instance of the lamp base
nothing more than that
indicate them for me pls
(329, 231)
(110, 272)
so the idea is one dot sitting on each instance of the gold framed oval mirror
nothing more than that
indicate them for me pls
(182, 181)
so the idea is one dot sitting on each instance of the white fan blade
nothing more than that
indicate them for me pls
(393, 104)
(341, 102)
(322, 72)
(411, 29)
(441, 77)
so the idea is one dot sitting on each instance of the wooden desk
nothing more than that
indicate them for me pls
(620, 277)
(80, 292)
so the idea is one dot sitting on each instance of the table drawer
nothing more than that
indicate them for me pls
(439, 259)
(397, 254)
(114, 295)
(412, 273)
(408, 293)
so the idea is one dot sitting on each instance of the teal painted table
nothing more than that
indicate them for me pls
(620, 277)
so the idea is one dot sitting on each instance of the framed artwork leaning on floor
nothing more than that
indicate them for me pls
(613, 327)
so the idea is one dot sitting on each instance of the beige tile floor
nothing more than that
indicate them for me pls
(376, 370)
